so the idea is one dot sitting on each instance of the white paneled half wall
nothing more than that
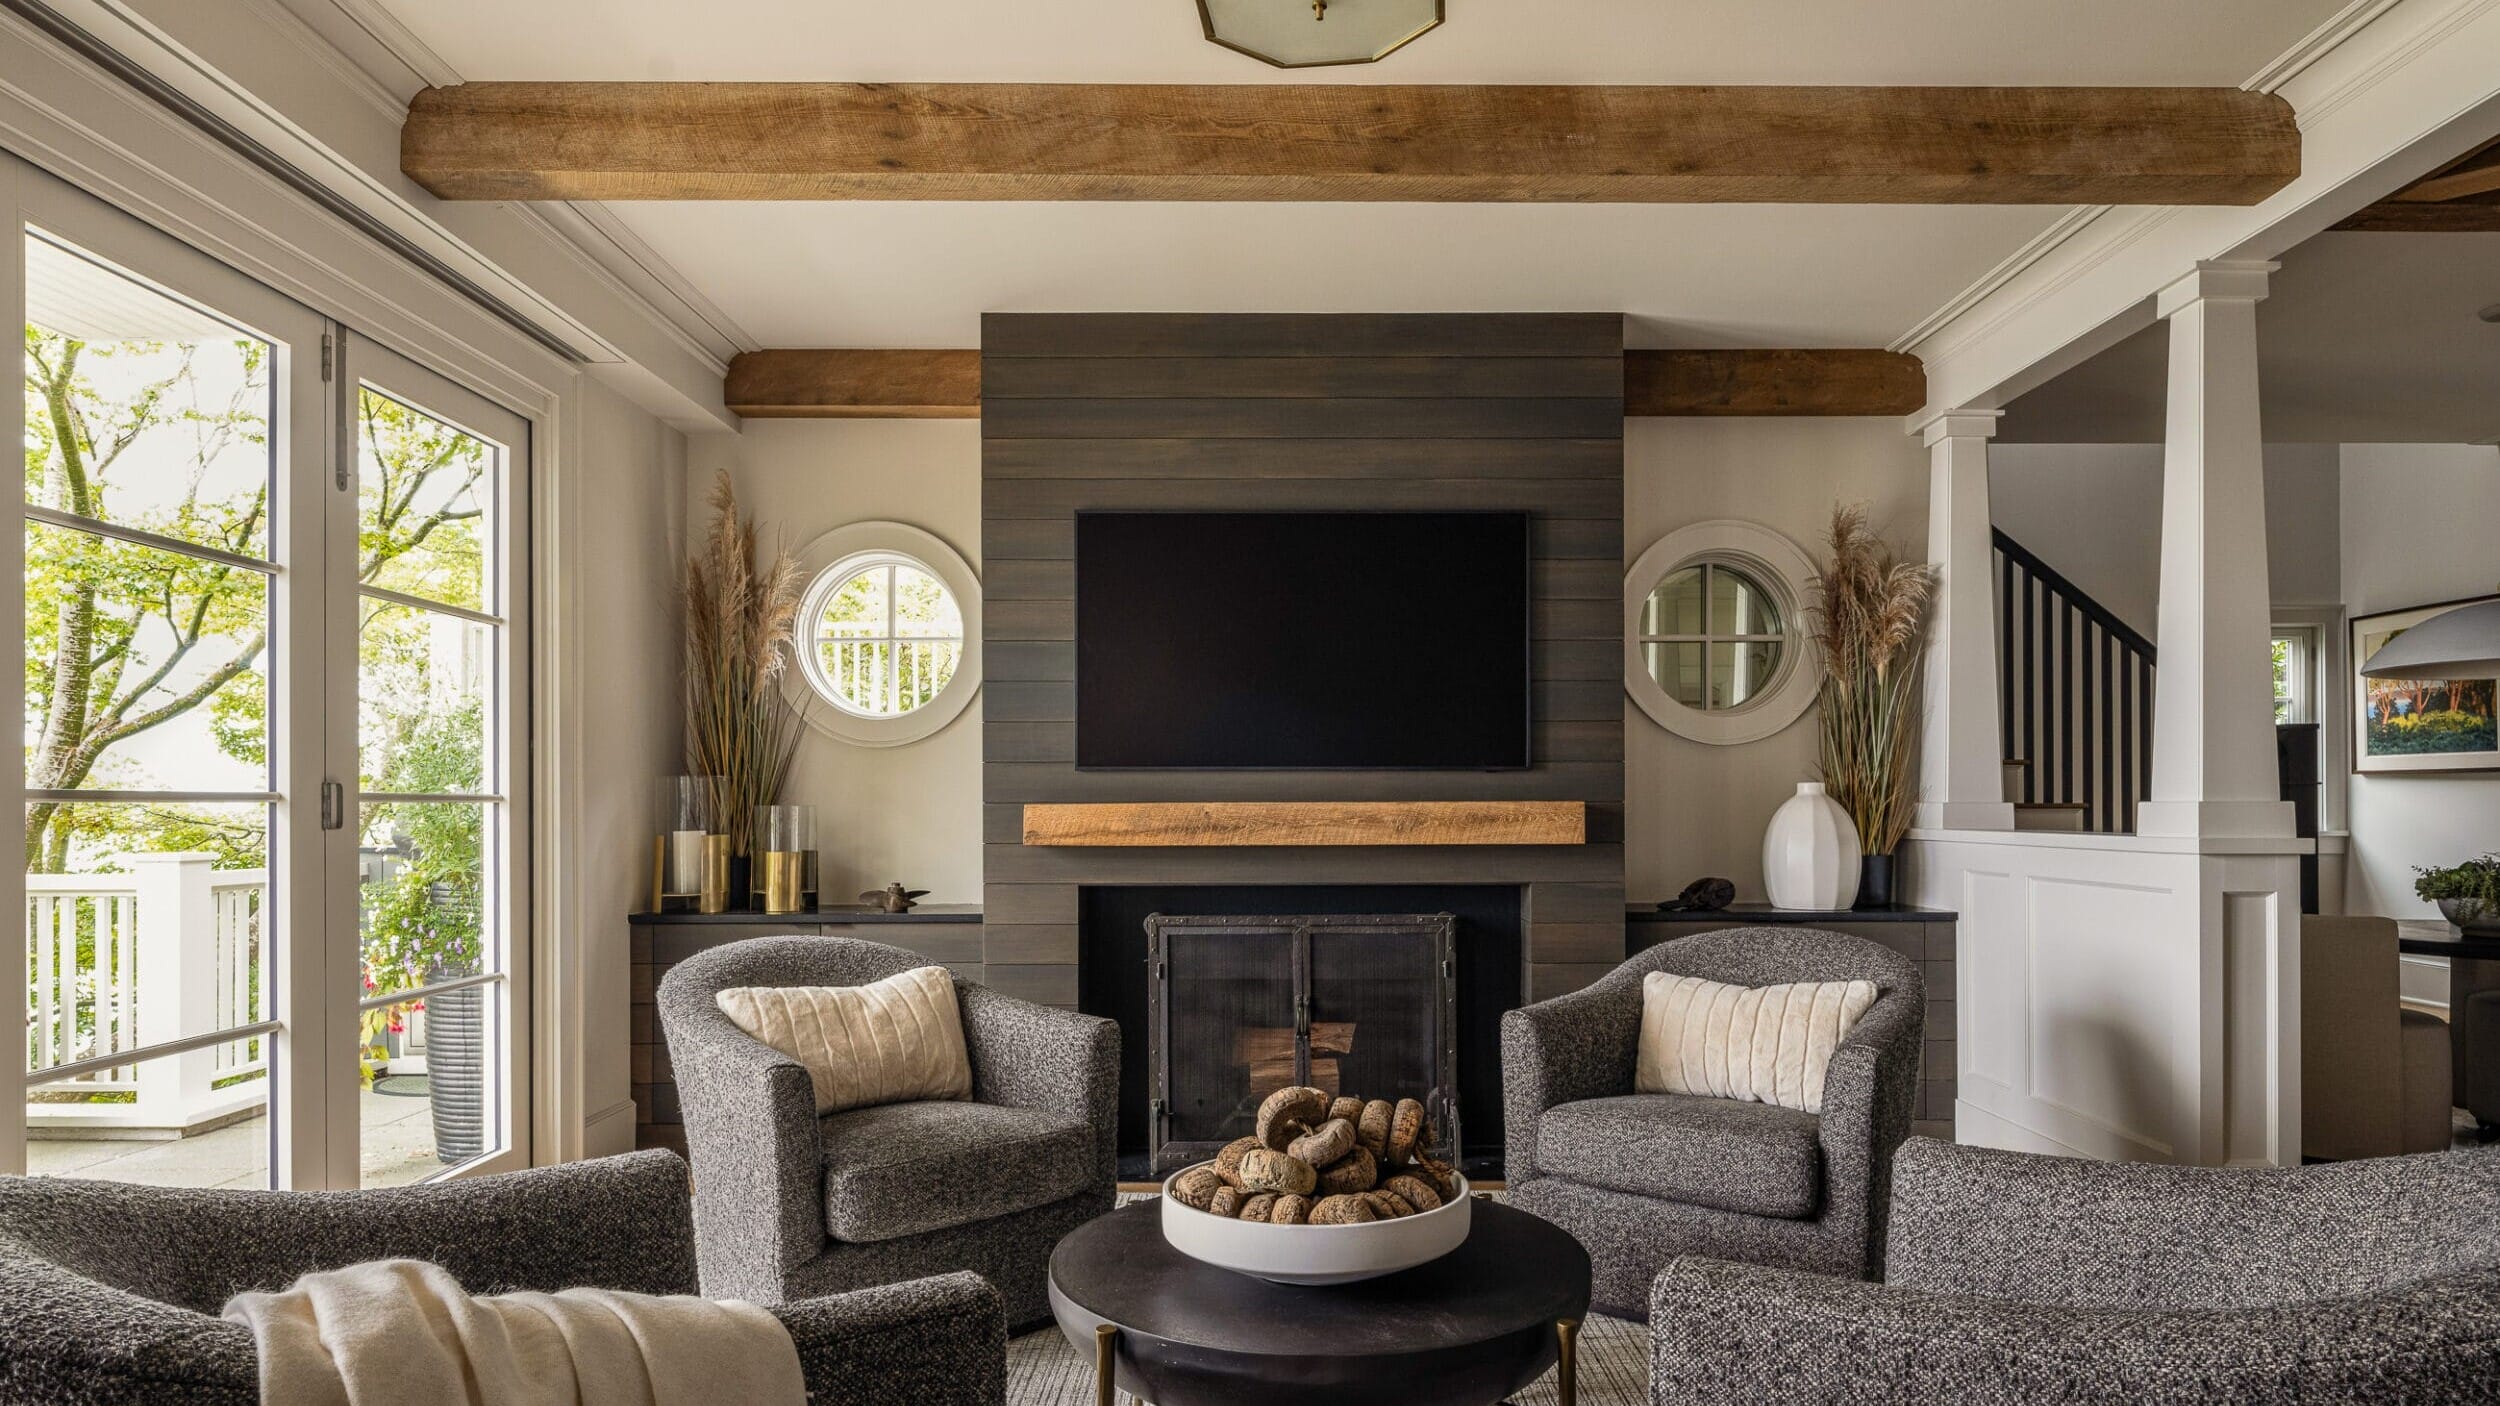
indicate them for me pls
(2123, 997)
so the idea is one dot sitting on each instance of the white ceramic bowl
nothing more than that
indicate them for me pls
(1316, 1254)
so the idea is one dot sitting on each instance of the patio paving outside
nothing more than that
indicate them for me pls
(398, 1148)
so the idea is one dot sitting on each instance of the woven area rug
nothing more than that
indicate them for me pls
(1044, 1370)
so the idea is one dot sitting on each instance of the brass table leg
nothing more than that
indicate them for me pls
(1107, 1338)
(1567, 1366)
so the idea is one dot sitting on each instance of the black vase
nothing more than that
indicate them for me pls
(455, 1072)
(1874, 881)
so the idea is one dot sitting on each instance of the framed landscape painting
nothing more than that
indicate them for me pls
(2401, 725)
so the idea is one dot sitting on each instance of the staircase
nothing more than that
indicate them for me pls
(2075, 690)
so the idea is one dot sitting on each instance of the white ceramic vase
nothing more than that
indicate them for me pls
(1810, 852)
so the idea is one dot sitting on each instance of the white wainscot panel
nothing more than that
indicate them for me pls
(2113, 988)
(2120, 998)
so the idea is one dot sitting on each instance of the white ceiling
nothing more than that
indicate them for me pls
(2363, 338)
(1485, 41)
(920, 274)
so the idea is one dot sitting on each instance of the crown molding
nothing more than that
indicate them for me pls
(428, 68)
(2318, 44)
(2380, 99)
(275, 86)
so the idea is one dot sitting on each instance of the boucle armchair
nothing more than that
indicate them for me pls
(2050, 1281)
(1639, 1179)
(790, 1205)
(109, 1293)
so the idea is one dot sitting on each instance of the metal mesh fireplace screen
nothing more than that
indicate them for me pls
(1242, 1006)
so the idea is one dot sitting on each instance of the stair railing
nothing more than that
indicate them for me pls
(2075, 687)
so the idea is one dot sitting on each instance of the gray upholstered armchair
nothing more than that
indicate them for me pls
(2050, 1281)
(789, 1205)
(109, 1293)
(1642, 1178)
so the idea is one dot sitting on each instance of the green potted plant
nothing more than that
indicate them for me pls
(1868, 611)
(424, 921)
(2468, 894)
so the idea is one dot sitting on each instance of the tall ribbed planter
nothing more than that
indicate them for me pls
(455, 1070)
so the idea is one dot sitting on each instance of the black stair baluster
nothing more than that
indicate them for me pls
(2085, 728)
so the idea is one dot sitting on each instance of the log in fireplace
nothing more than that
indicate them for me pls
(1239, 1006)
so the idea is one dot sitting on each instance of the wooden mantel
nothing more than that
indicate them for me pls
(1263, 823)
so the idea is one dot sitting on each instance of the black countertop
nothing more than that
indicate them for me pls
(1762, 913)
(2436, 938)
(837, 913)
(1766, 915)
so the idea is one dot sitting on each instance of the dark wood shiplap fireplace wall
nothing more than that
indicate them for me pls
(1283, 412)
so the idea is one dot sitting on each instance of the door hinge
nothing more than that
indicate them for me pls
(333, 806)
(329, 356)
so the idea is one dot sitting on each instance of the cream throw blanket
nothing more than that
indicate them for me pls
(402, 1332)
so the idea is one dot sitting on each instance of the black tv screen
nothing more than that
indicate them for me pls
(1302, 640)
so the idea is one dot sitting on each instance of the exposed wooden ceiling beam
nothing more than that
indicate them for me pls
(848, 383)
(1012, 141)
(2462, 197)
(2404, 217)
(855, 383)
(1810, 381)
(2477, 174)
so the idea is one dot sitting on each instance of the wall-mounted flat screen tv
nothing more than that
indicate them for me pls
(1321, 640)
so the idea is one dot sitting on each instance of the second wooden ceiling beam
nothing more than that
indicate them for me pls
(864, 383)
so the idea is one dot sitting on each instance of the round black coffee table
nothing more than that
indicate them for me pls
(1467, 1329)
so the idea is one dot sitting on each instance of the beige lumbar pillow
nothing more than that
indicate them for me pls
(1761, 1044)
(900, 1040)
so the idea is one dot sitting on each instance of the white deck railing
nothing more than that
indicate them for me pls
(119, 962)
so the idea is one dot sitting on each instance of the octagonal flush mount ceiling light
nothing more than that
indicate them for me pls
(1314, 33)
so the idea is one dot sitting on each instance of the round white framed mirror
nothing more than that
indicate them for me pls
(1715, 643)
(888, 636)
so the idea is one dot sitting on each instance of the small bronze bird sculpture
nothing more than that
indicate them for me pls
(893, 898)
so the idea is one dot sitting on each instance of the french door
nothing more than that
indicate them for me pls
(273, 806)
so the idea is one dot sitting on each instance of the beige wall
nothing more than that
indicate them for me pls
(2417, 529)
(883, 813)
(2093, 512)
(913, 812)
(1692, 810)
(630, 529)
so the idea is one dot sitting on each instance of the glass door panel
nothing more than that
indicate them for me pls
(439, 839)
(168, 584)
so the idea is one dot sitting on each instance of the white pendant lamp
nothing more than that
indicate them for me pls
(2462, 644)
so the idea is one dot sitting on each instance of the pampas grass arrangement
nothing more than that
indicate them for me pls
(740, 624)
(1868, 612)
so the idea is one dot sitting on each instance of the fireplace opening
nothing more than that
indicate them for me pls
(1240, 1006)
(1419, 1031)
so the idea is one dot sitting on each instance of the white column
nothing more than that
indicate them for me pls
(2213, 703)
(1962, 750)
(177, 953)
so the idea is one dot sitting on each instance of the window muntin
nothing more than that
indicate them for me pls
(149, 571)
(883, 634)
(2294, 650)
(1714, 636)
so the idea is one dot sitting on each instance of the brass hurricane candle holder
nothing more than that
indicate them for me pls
(689, 860)
(785, 858)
